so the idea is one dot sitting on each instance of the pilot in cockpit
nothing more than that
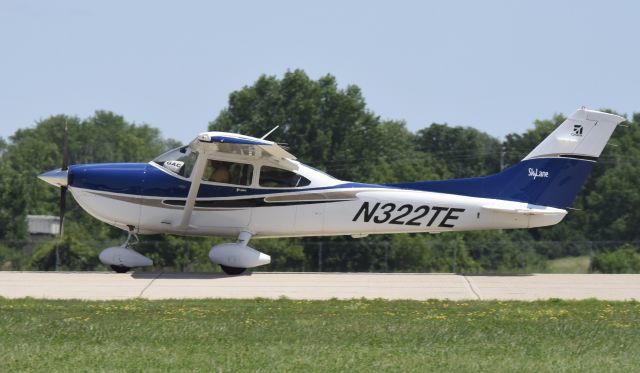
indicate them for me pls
(220, 172)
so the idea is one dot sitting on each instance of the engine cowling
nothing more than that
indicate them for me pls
(238, 256)
(122, 256)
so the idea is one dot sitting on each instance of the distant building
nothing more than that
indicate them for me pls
(43, 225)
(40, 228)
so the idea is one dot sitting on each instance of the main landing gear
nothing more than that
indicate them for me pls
(122, 258)
(235, 258)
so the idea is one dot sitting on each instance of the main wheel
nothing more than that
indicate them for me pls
(232, 270)
(120, 269)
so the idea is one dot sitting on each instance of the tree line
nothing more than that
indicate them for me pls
(332, 129)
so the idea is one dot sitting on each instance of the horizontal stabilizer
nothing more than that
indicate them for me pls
(526, 211)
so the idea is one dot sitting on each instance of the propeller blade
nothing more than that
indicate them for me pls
(65, 148)
(63, 207)
(65, 167)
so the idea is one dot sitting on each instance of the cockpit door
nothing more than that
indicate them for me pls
(223, 198)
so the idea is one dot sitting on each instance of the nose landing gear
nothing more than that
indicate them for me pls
(122, 258)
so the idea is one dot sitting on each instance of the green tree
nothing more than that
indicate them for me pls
(73, 254)
(287, 254)
(13, 203)
(501, 250)
(623, 260)
(327, 127)
(612, 195)
(465, 151)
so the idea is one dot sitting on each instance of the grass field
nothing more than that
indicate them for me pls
(571, 264)
(323, 336)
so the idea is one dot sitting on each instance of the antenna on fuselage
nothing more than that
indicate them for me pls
(269, 133)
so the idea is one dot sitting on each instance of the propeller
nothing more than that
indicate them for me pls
(63, 188)
(60, 178)
(65, 167)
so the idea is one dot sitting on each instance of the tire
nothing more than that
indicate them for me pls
(120, 269)
(232, 270)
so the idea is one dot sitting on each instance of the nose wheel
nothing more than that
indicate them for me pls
(120, 268)
(122, 258)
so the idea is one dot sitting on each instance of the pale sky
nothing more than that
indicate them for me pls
(493, 65)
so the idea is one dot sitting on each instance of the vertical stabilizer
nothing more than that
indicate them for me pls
(583, 135)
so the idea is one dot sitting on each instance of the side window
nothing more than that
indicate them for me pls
(228, 172)
(272, 177)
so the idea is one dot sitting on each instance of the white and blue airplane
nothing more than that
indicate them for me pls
(226, 184)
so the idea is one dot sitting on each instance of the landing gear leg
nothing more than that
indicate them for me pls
(121, 268)
(122, 258)
(130, 234)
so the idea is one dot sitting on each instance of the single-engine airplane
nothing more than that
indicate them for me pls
(232, 185)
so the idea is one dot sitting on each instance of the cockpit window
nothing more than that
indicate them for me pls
(272, 177)
(179, 161)
(228, 172)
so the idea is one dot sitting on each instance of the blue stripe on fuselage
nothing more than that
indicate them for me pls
(563, 180)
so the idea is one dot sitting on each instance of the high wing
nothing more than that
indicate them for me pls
(245, 146)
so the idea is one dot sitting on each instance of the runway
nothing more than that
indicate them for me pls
(110, 286)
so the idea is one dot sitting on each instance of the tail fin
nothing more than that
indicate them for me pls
(583, 136)
(551, 175)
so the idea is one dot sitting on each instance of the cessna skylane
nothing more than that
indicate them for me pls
(231, 185)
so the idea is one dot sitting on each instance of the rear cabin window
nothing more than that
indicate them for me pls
(272, 177)
(228, 172)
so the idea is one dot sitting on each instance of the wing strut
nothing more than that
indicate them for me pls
(199, 168)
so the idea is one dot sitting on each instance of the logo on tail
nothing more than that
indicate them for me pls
(577, 130)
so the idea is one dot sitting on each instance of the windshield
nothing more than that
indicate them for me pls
(179, 161)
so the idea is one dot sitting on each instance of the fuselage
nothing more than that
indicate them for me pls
(151, 198)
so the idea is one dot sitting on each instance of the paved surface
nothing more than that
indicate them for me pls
(99, 285)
